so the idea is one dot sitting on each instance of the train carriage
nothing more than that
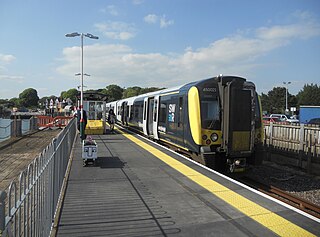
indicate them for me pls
(217, 121)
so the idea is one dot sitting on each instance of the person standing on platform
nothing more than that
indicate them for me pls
(111, 119)
(78, 115)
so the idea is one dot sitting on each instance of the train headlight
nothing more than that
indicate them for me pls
(204, 137)
(214, 137)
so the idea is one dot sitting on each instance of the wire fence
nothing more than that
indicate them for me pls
(5, 131)
(17, 127)
(28, 207)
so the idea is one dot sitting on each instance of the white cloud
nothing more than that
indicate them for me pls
(304, 27)
(164, 23)
(15, 79)
(288, 32)
(151, 18)
(234, 55)
(154, 19)
(6, 58)
(112, 10)
(116, 30)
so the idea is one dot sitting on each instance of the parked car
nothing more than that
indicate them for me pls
(284, 117)
(315, 121)
(267, 120)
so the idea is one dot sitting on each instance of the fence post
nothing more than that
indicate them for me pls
(301, 143)
(3, 196)
(54, 176)
(271, 133)
(309, 156)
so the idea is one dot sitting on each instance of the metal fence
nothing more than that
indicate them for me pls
(28, 207)
(296, 138)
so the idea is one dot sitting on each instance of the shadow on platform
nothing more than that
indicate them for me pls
(109, 162)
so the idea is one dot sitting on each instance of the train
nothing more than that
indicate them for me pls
(216, 121)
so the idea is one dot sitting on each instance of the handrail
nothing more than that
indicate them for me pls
(32, 199)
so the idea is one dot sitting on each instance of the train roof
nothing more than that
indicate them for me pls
(180, 88)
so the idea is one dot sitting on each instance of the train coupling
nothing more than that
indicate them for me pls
(236, 165)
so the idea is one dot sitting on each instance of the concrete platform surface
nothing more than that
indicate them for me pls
(139, 189)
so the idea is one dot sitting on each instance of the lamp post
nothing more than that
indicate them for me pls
(75, 34)
(286, 85)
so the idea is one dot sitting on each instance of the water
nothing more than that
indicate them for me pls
(5, 128)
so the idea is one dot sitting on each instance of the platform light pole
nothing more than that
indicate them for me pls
(286, 85)
(75, 34)
(81, 90)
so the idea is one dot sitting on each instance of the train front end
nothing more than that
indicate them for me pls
(223, 122)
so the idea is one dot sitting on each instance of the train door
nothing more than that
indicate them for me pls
(124, 113)
(155, 117)
(145, 113)
(150, 115)
(237, 117)
(180, 121)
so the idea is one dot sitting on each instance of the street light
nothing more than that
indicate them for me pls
(75, 34)
(81, 84)
(286, 85)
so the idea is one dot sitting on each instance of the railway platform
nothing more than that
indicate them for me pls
(137, 188)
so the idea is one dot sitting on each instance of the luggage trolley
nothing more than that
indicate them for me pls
(89, 151)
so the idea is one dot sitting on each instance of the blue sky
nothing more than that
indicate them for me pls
(157, 43)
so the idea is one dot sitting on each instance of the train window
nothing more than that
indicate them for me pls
(135, 111)
(210, 117)
(145, 111)
(131, 111)
(163, 112)
(140, 110)
(155, 110)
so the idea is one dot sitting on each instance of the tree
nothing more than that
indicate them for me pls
(275, 101)
(136, 90)
(114, 92)
(29, 98)
(131, 91)
(150, 89)
(14, 102)
(309, 95)
(71, 94)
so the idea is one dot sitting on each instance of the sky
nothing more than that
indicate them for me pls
(157, 43)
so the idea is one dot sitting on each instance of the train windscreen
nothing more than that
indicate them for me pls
(210, 114)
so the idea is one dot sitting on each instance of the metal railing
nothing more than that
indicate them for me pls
(28, 207)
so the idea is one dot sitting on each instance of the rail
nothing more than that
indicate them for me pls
(28, 208)
(284, 196)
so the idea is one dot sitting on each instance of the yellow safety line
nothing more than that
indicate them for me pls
(270, 220)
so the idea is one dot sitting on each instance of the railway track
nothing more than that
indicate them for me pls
(283, 196)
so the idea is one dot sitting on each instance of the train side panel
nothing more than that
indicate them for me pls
(171, 120)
